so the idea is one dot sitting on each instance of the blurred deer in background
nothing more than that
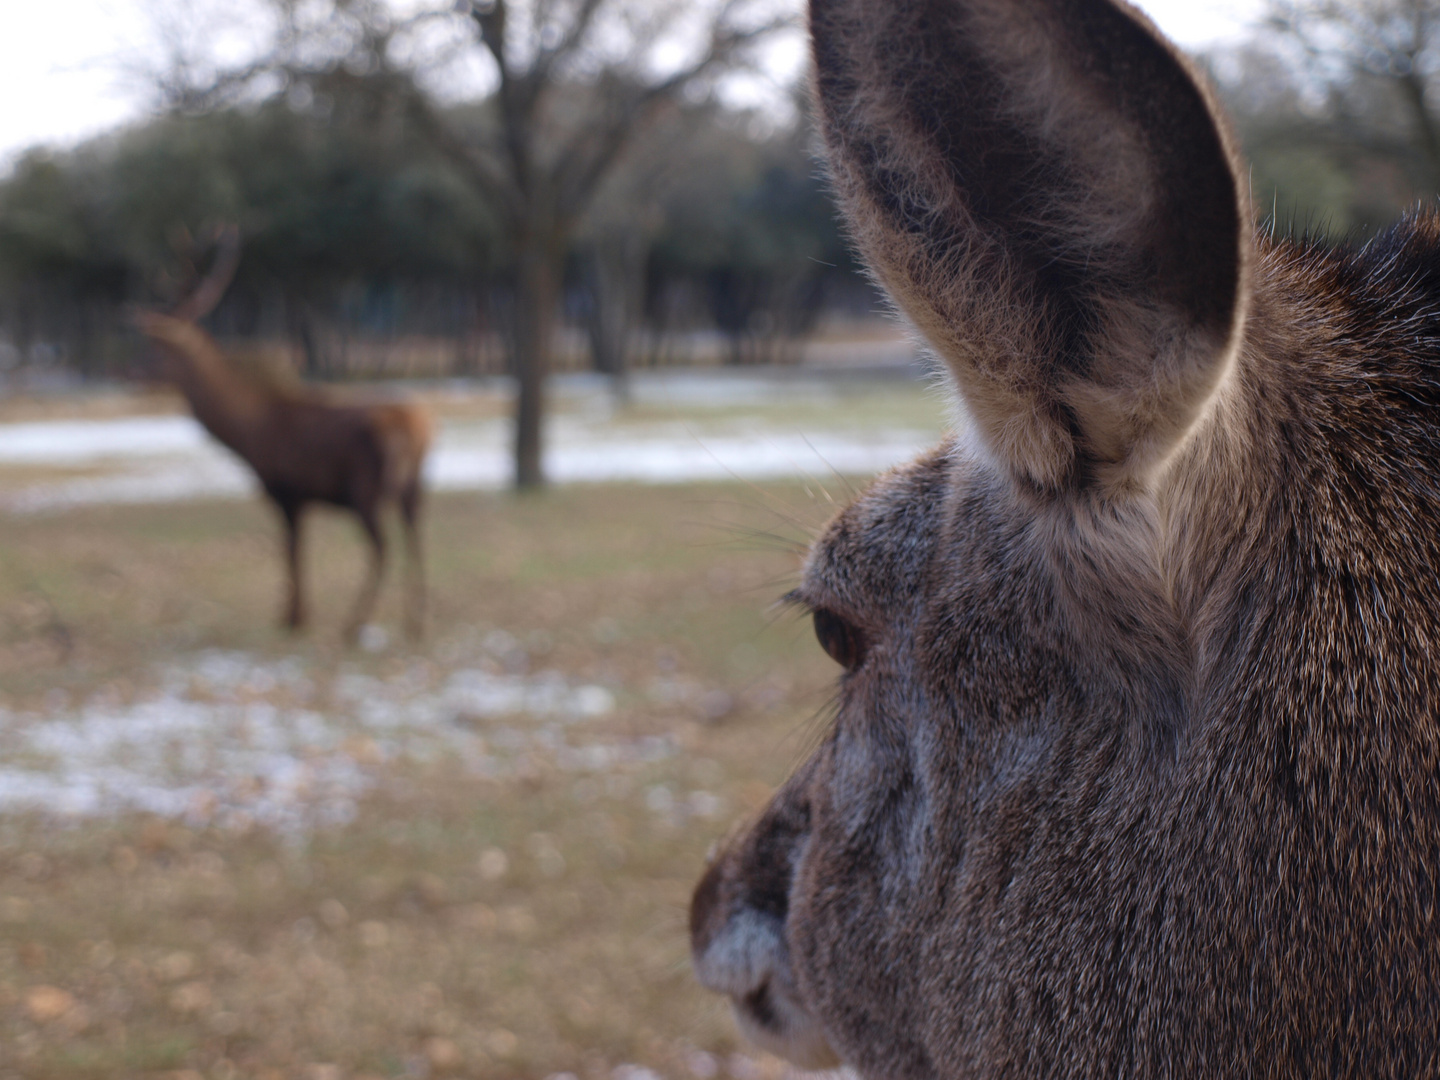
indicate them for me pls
(1135, 769)
(305, 445)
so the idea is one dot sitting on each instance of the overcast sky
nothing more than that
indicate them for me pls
(60, 83)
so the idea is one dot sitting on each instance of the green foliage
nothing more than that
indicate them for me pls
(53, 230)
(754, 226)
(320, 203)
(754, 206)
(349, 216)
(1335, 148)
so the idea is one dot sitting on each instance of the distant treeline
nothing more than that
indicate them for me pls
(365, 254)
(715, 240)
(1337, 106)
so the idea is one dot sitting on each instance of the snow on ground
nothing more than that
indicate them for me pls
(233, 740)
(164, 459)
(88, 442)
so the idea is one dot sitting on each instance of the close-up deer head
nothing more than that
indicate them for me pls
(1135, 762)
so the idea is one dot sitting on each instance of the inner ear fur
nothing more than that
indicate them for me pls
(1046, 190)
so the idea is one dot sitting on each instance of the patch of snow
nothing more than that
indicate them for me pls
(82, 442)
(203, 748)
(373, 638)
(547, 694)
(672, 457)
(208, 474)
(168, 459)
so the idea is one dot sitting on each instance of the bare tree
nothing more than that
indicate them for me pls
(620, 229)
(571, 84)
(1354, 48)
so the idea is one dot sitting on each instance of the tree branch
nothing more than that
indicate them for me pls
(479, 167)
(569, 42)
(591, 155)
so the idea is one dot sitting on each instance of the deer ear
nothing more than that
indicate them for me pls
(1045, 189)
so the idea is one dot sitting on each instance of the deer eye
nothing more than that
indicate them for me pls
(841, 639)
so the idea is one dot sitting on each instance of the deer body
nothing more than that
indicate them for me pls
(1136, 763)
(307, 446)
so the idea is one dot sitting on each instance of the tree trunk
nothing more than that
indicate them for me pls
(616, 269)
(1412, 88)
(537, 290)
(302, 322)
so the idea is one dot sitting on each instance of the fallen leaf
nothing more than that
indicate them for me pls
(191, 997)
(46, 1003)
(443, 1054)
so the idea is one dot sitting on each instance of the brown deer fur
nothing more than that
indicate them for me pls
(304, 445)
(1136, 763)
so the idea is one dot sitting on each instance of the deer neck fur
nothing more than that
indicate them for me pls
(230, 406)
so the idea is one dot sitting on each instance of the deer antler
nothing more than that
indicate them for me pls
(201, 300)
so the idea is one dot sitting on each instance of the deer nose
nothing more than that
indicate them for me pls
(740, 950)
(735, 947)
(742, 957)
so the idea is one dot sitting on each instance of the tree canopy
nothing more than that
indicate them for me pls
(336, 192)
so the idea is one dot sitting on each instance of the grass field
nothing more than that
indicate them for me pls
(472, 857)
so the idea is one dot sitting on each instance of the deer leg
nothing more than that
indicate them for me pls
(294, 617)
(365, 602)
(414, 558)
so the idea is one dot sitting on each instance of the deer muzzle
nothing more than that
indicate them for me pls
(740, 950)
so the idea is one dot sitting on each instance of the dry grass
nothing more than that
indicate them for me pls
(111, 403)
(516, 923)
